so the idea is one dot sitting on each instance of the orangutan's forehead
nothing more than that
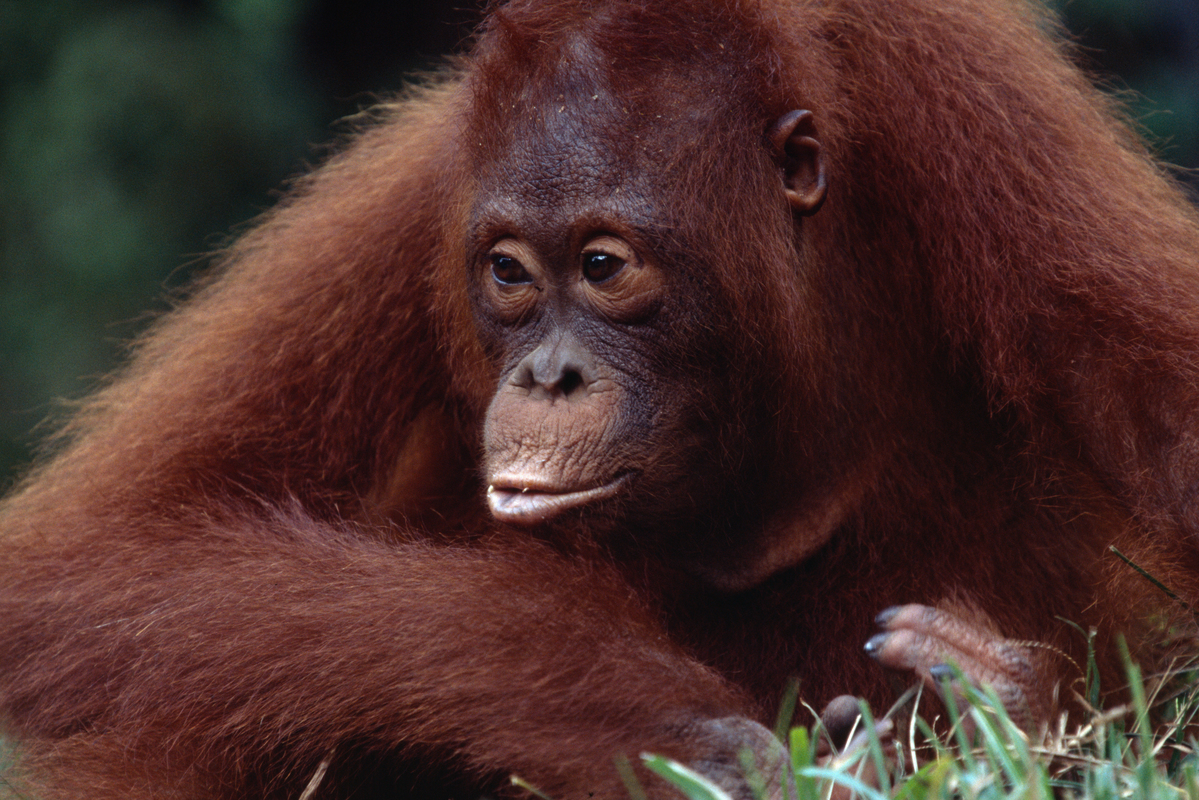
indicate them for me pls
(580, 135)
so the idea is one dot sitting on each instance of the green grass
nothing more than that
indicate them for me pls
(1117, 753)
(1144, 749)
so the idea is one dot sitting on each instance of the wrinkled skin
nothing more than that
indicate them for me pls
(612, 370)
(575, 302)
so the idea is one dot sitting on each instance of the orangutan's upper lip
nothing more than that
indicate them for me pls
(529, 501)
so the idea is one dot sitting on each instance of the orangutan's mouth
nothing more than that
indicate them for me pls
(526, 501)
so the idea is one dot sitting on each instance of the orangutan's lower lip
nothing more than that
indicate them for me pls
(527, 503)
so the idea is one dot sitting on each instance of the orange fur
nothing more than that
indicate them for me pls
(263, 544)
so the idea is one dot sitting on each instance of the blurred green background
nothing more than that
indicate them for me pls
(134, 136)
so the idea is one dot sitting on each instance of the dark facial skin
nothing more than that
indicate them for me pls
(615, 382)
(584, 314)
(568, 295)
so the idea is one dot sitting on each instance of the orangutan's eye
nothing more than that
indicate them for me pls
(508, 271)
(599, 267)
